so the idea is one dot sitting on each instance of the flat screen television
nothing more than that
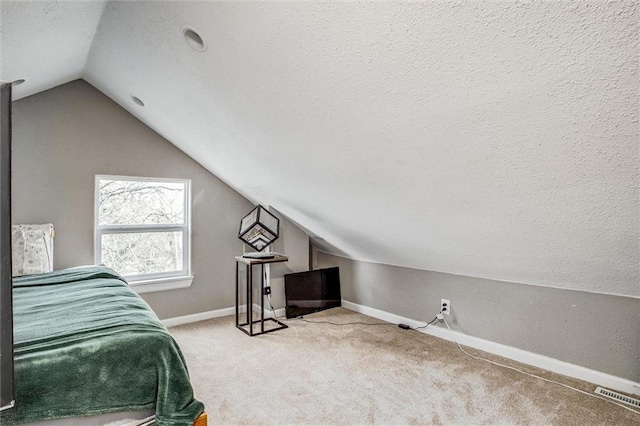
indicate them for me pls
(311, 291)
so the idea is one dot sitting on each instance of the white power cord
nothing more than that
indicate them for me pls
(440, 316)
(273, 311)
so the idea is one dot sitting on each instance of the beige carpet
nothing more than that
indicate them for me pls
(320, 374)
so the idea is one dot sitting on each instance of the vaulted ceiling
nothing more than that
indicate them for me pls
(495, 140)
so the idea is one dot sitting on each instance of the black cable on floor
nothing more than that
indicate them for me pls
(345, 323)
(426, 325)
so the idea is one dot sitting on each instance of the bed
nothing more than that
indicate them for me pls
(85, 348)
(86, 344)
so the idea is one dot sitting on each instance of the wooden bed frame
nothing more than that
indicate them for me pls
(202, 420)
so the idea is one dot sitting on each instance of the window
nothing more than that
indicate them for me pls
(143, 230)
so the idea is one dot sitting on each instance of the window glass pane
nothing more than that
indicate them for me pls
(129, 202)
(134, 253)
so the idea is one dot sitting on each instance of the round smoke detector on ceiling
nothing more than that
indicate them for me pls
(193, 38)
(18, 82)
(137, 100)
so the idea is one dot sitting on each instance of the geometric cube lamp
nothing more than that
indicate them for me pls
(259, 228)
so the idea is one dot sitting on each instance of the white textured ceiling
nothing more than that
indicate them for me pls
(45, 42)
(496, 140)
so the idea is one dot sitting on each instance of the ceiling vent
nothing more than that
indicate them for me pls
(194, 39)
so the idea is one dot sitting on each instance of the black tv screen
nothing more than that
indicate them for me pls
(311, 291)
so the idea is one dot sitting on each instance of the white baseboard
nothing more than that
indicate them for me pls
(201, 316)
(520, 355)
(280, 313)
(268, 313)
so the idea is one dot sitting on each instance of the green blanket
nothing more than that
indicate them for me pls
(86, 344)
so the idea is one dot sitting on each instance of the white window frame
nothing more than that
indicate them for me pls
(146, 283)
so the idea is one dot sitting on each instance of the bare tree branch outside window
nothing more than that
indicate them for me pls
(127, 204)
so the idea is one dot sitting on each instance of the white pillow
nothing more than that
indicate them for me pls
(32, 249)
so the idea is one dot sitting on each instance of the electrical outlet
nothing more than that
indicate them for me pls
(445, 306)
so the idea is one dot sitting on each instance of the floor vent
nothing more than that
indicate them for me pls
(618, 396)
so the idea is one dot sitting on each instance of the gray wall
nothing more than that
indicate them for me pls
(65, 136)
(293, 242)
(597, 331)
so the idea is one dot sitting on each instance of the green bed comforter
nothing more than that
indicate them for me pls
(86, 344)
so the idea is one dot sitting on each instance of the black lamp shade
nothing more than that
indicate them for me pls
(259, 228)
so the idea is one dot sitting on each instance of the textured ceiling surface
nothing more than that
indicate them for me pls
(495, 140)
(45, 42)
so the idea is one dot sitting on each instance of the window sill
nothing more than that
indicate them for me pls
(161, 284)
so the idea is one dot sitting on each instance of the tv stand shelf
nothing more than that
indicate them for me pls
(248, 325)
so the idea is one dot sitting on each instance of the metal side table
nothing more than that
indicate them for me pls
(248, 325)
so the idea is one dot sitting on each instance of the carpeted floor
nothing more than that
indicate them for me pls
(321, 374)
